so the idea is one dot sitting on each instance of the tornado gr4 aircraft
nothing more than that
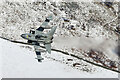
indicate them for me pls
(38, 37)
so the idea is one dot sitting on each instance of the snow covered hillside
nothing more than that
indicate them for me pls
(20, 62)
(87, 30)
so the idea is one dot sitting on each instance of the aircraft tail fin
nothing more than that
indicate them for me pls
(52, 31)
(48, 48)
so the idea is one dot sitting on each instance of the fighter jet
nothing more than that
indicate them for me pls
(38, 37)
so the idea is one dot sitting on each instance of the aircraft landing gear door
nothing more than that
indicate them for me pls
(37, 37)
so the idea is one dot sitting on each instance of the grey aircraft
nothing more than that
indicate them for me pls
(37, 37)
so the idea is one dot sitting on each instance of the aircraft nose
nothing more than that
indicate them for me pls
(23, 35)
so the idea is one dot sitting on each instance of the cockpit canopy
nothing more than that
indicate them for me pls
(32, 31)
(40, 29)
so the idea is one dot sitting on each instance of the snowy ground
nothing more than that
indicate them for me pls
(19, 62)
(0, 61)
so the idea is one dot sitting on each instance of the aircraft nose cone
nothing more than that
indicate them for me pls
(23, 35)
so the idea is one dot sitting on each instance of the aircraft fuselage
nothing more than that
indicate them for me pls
(42, 38)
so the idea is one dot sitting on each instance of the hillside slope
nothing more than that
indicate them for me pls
(20, 62)
(88, 33)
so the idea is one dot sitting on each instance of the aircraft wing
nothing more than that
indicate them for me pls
(47, 20)
(45, 23)
(38, 53)
(48, 47)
